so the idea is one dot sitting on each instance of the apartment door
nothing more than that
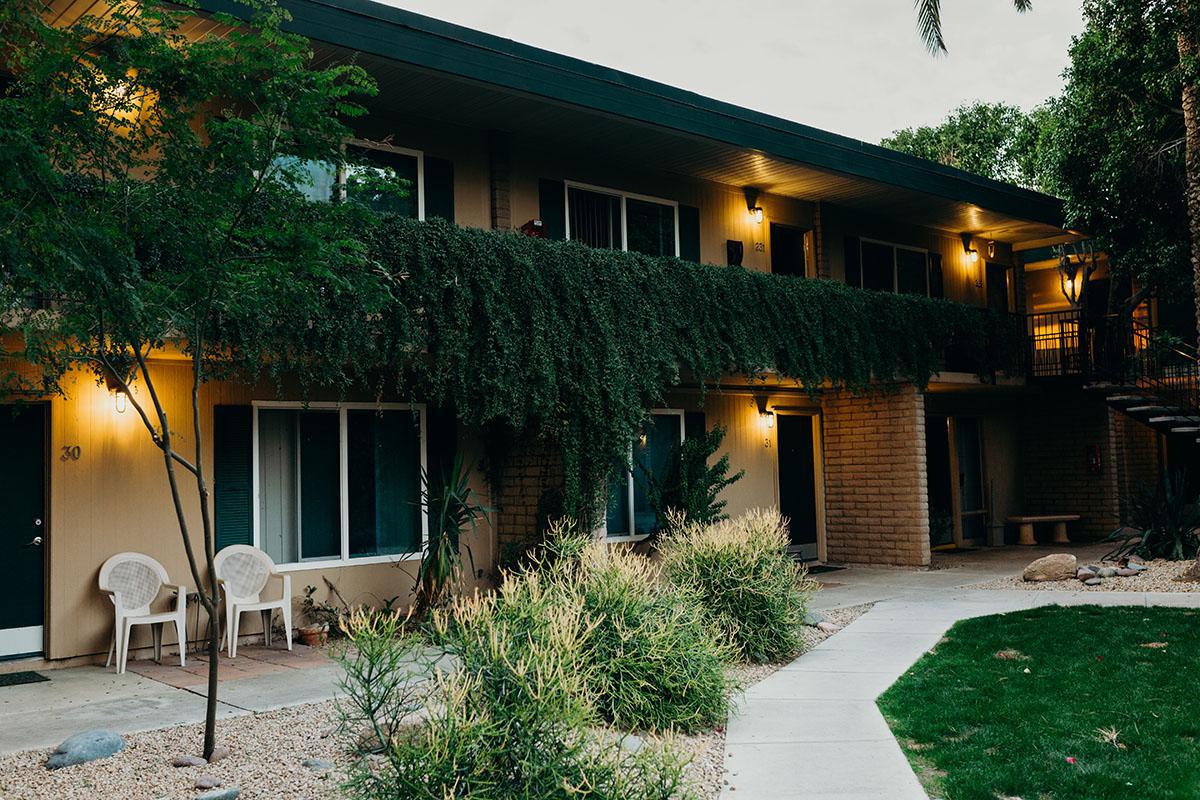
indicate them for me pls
(798, 487)
(787, 250)
(940, 489)
(22, 528)
(972, 503)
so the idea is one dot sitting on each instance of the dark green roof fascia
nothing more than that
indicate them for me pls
(429, 43)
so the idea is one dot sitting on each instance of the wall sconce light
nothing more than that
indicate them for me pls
(121, 401)
(756, 212)
(971, 253)
(991, 249)
(765, 416)
(116, 389)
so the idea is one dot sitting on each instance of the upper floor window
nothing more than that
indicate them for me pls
(386, 178)
(887, 267)
(615, 220)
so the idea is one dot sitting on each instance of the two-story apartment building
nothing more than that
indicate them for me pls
(497, 135)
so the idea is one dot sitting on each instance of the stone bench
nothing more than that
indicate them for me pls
(1060, 526)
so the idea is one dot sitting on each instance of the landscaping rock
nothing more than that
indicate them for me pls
(632, 742)
(208, 782)
(84, 747)
(1134, 558)
(218, 753)
(828, 627)
(317, 764)
(812, 619)
(1056, 567)
(1127, 573)
(1084, 574)
(1107, 572)
(1093, 582)
(221, 794)
(188, 761)
(1137, 566)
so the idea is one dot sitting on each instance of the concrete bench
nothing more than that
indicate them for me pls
(1060, 526)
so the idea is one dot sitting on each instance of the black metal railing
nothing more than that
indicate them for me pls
(1059, 344)
(1164, 365)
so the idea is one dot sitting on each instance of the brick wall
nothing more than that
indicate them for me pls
(876, 504)
(1057, 430)
(530, 472)
(1137, 458)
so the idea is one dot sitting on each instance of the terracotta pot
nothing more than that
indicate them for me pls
(313, 637)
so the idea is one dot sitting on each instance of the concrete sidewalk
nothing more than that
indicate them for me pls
(813, 731)
(150, 696)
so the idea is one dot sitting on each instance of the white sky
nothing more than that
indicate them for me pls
(855, 67)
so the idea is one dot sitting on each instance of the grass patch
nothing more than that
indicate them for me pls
(1087, 710)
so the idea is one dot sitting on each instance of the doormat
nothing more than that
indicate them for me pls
(18, 678)
(817, 569)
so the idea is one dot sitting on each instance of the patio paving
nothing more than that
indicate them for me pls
(151, 695)
(812, 729)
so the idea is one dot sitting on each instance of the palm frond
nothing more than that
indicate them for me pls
(1023, 5)
(929, 24)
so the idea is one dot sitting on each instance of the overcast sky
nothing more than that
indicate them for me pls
(851, 66)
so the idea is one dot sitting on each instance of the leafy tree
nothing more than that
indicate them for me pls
(150, 199)
(995, 140)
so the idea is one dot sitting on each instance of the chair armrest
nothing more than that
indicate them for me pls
(181, 593)
(286, 584)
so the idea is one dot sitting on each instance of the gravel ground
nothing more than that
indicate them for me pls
(1160, 577)
(266, 751)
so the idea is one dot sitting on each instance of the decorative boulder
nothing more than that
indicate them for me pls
(1126, 572)
(84, 747)
(1057, 567)
(221, 794)
(1084, 574)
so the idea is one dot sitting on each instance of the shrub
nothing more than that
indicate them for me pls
(511, 719)
(1166, 517)
(740, 572)
(693, 487)
(655, 661)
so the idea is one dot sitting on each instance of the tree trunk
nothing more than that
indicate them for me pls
(1188, 42)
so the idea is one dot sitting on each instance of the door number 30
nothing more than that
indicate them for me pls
(71, 452)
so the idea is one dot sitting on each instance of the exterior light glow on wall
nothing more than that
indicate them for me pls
(756, 214)
(121, 401)
(752, 206)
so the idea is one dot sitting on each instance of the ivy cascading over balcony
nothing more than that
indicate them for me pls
(572, 344)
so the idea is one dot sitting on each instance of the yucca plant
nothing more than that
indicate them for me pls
(1166, 517)
(453, 510)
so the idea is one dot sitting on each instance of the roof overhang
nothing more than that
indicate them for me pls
(506, 85)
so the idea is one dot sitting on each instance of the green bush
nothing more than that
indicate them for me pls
(511, 719)
(655, 661)
(740, 572)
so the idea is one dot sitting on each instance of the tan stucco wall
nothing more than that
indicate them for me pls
(115, 497)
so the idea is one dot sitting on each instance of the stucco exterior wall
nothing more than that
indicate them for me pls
(115, 497)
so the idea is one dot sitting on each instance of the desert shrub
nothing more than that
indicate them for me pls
(1166, 517)
(740, 573)
(511, 717)
(655, 661)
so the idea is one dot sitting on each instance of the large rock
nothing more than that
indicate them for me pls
(1057, 567)
(84, 747)
(221, 794)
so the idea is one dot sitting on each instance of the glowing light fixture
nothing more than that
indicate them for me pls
(756, 214)
(121, 401)
(970, 252)
(765, 415)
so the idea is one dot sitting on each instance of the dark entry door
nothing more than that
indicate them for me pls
(22, 532)
(941, 493)
(787, 250)
(798, 481)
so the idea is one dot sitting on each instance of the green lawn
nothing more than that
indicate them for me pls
(978, 726)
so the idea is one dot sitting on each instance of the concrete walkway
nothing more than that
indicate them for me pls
(812, 730)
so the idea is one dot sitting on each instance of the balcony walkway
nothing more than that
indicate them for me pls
(812, 730)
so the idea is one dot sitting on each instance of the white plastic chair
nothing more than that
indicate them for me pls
(242, 574)
(132, 581)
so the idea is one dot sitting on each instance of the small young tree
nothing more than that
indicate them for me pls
(150, 207)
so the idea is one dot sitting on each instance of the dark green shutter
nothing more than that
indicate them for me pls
(439, 188)
(233, 439)
(553, 211)
(937, 283)
(693, 424)
(853, 260)
(689, 233)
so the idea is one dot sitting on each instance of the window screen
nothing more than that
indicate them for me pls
(650, 228)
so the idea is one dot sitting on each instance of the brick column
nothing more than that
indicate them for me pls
(530, 473)
(499, 181)
(876, 482)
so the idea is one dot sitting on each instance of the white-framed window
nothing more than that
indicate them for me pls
(382, 176)
(336, 484)
(616, 220)
(629, 515)
(890, 267)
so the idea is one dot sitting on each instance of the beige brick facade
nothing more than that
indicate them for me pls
(875, 478)
(532, 474)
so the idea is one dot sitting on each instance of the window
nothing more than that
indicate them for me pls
(388, 179)
(615, 220)
(894, 268)
(338, 484)
(629, 514)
